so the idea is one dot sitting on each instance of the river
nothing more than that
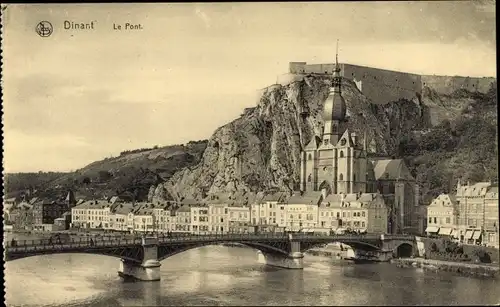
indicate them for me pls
(220, 275)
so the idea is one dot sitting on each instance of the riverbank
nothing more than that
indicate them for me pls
(466, 269)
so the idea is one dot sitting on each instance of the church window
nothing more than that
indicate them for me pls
(334, 128)
(325, 142)
(309, 178)
(354, 177)
(341, 177)
(343, 142)
(341, 154)
(309, 157)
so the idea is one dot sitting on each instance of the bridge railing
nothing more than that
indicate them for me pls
(47, 244)
(55, 244)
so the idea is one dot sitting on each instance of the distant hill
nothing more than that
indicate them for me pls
(129, 175)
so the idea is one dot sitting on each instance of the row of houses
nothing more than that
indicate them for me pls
(470, 215)
(224, 213)
(37, 214)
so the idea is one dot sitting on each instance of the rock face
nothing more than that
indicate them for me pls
(261, 149)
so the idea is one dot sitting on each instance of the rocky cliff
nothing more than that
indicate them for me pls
(261, 149)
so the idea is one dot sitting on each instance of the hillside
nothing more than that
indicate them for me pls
(262, 148)
(441, 137)
(129, 175)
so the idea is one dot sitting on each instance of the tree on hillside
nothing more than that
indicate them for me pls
(105, 176)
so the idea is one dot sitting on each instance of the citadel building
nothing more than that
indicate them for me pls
(337, 162)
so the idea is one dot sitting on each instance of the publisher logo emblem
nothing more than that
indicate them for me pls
(44, 28)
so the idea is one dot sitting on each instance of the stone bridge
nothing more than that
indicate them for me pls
(141, 256)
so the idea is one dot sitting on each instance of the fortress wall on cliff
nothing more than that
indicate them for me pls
(383, 86)
(448, 84)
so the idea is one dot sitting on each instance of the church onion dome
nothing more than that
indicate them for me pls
(335, 107)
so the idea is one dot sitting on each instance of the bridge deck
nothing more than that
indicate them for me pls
(28, 246)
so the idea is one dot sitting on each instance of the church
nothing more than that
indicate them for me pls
(339, 162)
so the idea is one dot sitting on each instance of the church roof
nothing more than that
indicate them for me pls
(391, 169)
(313, 144)
(347, 137)
(335, 107)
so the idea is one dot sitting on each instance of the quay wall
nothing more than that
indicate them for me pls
(467, 269)
(494, 253)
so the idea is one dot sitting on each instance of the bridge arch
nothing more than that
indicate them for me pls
(165, 251)
(355, 245)
(134, 253)
(404, 250)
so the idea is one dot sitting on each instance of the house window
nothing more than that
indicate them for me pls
(341, 177)
(363, 214)
(447, 220)
(435, 220)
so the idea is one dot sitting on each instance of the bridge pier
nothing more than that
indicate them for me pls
(292, 261)
(148, 269)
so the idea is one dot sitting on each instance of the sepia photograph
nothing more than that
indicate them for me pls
(250, 154)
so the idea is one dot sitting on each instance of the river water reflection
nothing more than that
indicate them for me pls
(219, 275)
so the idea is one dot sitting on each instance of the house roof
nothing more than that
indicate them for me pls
(443, 200)
(190, 201)
(276, 196)
(492, 192)
(476, 189)
(123, 208)
(114, 199)
(94, 204)
(217, 199)
(25, 205)
(352, 200)
(391, 169)
(184, 208)
(310, 198)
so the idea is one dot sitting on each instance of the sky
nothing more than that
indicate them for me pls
(79, 96)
